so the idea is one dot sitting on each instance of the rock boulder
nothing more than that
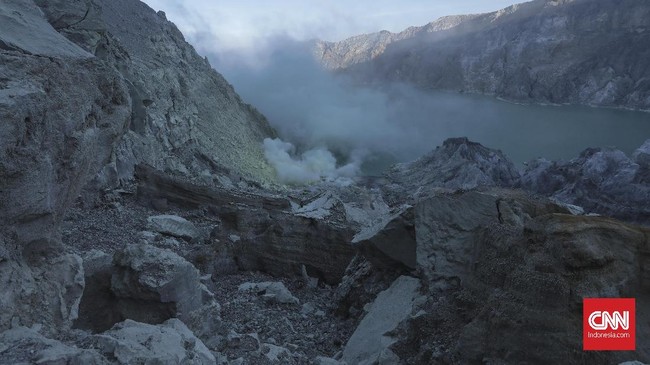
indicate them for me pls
(152, 284)
(173, 225)
(171, 342)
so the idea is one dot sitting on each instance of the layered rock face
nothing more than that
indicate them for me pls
(577, 51)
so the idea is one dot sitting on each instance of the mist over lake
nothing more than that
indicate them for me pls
(314, 108)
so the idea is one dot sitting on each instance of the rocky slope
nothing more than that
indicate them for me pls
(88, 89)
(548, 51)
(62, 110)
(185, 117)
(440, 261)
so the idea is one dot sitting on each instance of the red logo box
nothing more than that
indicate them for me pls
(608, 324)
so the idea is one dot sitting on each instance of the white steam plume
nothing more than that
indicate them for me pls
(310, 166)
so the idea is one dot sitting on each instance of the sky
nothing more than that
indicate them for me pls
(248, 27)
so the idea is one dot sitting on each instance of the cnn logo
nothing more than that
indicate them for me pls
(608, 324)
(603, 320)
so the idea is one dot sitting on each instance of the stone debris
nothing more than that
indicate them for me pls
(174, 226)
(171, 342)
(22, 345)
(271, 291)
(370, 343)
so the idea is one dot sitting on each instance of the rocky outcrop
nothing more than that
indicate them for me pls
(548, 51)
(152, 284)
(142, 283)
(159, 190)
(601, 180)
(366, 47)
(267, 234)
(98, 86)
(189, 119)
(23, 345)
(458, 164)
(370, 343)
(499, 261)
(173, 225)
(279, 242)
(130, 342)
(390, 243)
(270, 291)
(62, 110)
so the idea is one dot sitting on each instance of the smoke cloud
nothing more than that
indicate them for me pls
(324, 114)
(311, 166)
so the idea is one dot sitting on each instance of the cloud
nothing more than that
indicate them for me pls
(311, 166)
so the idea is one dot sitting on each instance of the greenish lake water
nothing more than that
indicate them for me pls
(523, 132)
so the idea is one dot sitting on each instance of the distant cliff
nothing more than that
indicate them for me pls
(562, 51)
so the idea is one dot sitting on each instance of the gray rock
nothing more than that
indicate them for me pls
(503, 259)
(319, 208)
(149, 237)
(61, 111)
(173, 225)
(642, 154)
(600, 180)
(307, 308)
(320, 360)
(271, 291)
(448, 226)
(186, 118)
(153, 284)
(206, 324)
(370, 342)
(238, 345)
(276, 354)
(48, 292)
(271, 237)
(457, 164)
(274, 241)
(22, 345)
(361, 285)
(26, 30)
(130, 342)
(312, 283)
(390, 243)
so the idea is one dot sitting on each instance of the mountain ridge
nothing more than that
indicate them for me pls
(554, 52)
